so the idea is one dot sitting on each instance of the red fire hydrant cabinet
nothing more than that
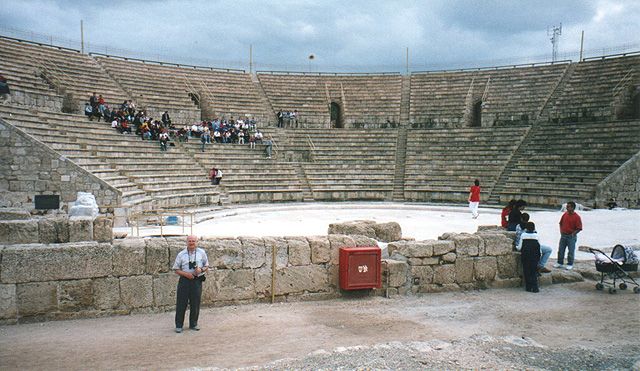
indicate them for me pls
(360, 268)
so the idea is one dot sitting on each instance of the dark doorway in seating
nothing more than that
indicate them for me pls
(336, 118)
(195, 98)
(636, 105)
(476, 114)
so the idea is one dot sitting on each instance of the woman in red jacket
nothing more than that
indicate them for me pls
(474, 198)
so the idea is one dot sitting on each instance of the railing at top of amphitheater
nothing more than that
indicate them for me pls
(611, 56)
(146, 61)
(40, 44)
(162, 221)
(294, 73)
(503, 67)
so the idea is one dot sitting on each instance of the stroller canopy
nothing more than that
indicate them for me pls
(623, 254)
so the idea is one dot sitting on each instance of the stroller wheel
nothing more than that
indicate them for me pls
(623, 286)
(612, 290)
(636, 290)
(599, 286)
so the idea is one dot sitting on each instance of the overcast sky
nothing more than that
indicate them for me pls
(342, 35)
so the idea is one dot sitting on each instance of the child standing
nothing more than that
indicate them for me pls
(530, 256)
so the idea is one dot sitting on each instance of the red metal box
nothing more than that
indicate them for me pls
(360, 268)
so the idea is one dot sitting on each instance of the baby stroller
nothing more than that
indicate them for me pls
(615, 267)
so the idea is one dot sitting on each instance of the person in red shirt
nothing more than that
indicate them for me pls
(474, 198)
(570, 226)
(505, 213)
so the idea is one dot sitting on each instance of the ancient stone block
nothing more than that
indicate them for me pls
(468, 244)
(177, 244)
(509, 266)
(496, 244)
(7, 213)
(254, 252)
(423, 274)
(364, 241)
(55, 262)
(442, 247)
(234, 284)
(136, 291)
(397, 272)
(75, 295)
(281, 248)
(564, 276)
(53, 230)
(464, 270)
(36, 298)
(449, 257)
(106, 293)
(415, 261)
(103, 229)
(80, 229)
(337, 241)
(299, 251)
(485, 268)
(164, 289)
(294, 279)
(387, 232)
(18, 231)
(320, 249)
(8, 304)
(225, 253)
(444, 274)
(128, 257)
(431, 261)
(355, 227)
(157, 256)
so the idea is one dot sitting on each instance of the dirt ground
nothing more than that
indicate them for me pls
(569, 326)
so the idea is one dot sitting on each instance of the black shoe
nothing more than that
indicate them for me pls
(535, 290)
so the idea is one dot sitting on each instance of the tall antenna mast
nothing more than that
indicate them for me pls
(554, 32)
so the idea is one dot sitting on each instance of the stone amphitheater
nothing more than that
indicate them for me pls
(547, 133)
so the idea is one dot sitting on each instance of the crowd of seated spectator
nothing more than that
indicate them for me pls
(240, 131)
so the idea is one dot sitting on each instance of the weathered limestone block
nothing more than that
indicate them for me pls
(564, 276)
(8, 304)
(467, 244)
(415, 261)
(496, 244)
(254, 252)
(164, 289)
(299, 251)
(413, 249)
(234, 284)
(177, 244)
(157, 256)
(36, 298)
(444, 274)
(464, 270)
(9, 213)
(503, 283)
(355, 227)
(491, 228)
(397, 272)
(449, 257)
(55, 262)
(136, 291)
(103, 229)
(431, 261)
(388, 232)
(509, 265)
(18, 231)
(106, 293)
(364, 241)
(442, 247)
(485, 268)
(75, 295)
(223, 252)
(128, 257)
(281, 248)
(320, 249)
(294, 279)
(80, 228)
(337, 241)
(53, 230)
(423, 273)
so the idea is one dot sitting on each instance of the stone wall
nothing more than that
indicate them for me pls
(28, 168)
(55, 229)
(623, 185)
(132, 275)
(41, 101)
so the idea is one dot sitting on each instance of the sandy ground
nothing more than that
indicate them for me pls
(602, 228)
(570, 326)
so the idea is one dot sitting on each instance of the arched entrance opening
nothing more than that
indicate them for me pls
(476, 114)
(195, 98)
(336, 117)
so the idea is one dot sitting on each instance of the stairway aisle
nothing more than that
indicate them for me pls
(401, 156)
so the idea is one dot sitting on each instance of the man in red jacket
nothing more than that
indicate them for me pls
(570, 226)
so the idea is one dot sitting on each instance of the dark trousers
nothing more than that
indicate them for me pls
(530, 267)
(189, 292)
